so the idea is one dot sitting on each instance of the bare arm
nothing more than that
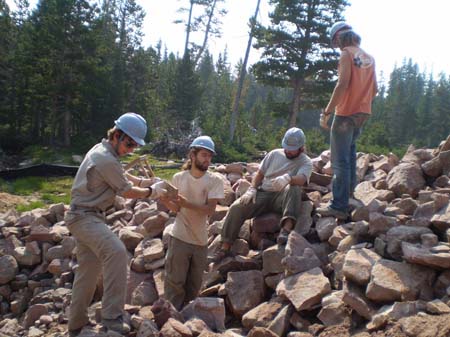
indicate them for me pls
(342, 83)
(209, 208)
(138, 181)
(137, 192)
(299, 180)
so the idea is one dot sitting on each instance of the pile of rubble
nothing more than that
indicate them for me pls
(387, 267)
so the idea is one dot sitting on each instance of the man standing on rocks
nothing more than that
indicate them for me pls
(98, 180)
(275, 187)
(351, 101)
(198, 193)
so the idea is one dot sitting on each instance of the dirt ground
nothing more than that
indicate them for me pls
(9, 201)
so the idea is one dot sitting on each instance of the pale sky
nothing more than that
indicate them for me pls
(391, 30)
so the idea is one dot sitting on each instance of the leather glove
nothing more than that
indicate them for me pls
(279, 183)
(324, 120)
(158, 189)
(249, 196)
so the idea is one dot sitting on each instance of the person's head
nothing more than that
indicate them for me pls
(128, 133)
(200, 154)
(342, 35)
(293, 143)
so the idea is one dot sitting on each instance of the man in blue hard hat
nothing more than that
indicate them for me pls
(198, 193)
(275, 187)
(99, 179)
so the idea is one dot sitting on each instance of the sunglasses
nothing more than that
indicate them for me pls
(131, 144)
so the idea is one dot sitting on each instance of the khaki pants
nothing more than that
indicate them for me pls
(286, 202)
(98, 250)
(185, 264)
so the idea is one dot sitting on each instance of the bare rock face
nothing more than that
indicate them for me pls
(245, 290)
(334, 311)
(406, 178)
(434, 257)
(263, 314)
(397, 235)
(8, 268)
(391, 281)
(210, 310)
(304, 290)
(358, 265)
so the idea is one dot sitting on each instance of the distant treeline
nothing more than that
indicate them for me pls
(68, 68)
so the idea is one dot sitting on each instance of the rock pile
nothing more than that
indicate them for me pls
(388, 264)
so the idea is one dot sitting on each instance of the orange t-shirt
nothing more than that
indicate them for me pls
(362, 87)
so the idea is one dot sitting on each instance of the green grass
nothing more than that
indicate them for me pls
(47, 190)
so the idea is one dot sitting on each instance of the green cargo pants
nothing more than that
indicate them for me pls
(185, 264)
(98, 250)
(287, 202)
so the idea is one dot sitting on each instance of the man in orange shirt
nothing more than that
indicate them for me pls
(351, 101)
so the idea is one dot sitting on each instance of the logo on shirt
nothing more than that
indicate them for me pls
(362, 60)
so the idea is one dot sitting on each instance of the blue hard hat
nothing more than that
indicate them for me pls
(293, 139)
(133, 125)
(204, 142)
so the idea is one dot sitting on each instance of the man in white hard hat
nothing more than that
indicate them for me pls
(275, 187)
(351, 102)
(98, 180)
(198, 193)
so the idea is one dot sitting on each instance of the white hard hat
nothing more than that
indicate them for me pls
(293, 139)
(204, 142)
(133, 125)
(336, 28)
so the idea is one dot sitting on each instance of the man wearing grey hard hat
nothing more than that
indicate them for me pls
(351, 103)
(275, 187)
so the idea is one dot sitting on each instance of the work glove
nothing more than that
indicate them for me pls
(279, 183)
(324, 120)
(249, 196)
(158, 189)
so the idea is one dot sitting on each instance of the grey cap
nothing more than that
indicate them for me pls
(293, 139)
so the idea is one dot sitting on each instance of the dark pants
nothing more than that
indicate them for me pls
(185, 264)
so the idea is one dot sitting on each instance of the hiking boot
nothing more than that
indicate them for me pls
(116, 325)
(220, 255)
(331, 212)
(283, 236)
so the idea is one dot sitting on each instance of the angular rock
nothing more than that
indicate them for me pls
(334, 311)
(395, 312)
(129, 238)
(406, 178)
(358, 265)
(272, 257)
(304, 290)
(399, 234)
(355, 298)
(210, 310)
(8, 268)
(245, 290)
(425, 256)
(391, 281)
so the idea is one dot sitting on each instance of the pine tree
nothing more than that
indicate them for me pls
(296, 52)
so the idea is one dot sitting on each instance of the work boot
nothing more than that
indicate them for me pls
(331, 212)
(283, 237)
(74, 333)
(116, 325)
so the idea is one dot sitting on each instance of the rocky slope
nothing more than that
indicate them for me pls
(384, 272)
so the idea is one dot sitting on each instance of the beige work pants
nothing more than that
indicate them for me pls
(185, 264)
(98, 250)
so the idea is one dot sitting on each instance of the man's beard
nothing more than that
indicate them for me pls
(290, 156)
(199, 165)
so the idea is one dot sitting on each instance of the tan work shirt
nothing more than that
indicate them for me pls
(99, 179)
(190, 226)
